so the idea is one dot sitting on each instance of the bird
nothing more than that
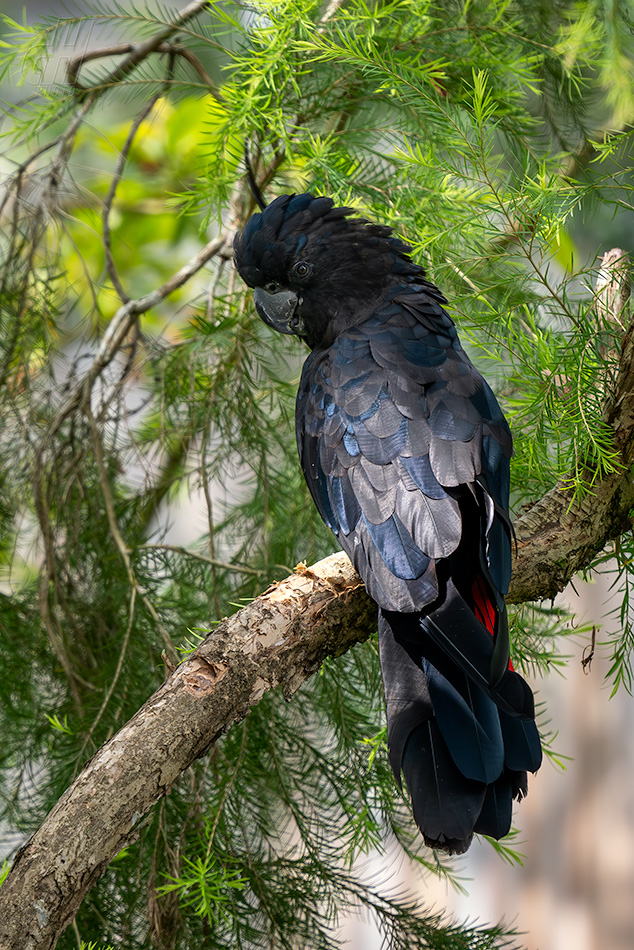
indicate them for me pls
(406, 454)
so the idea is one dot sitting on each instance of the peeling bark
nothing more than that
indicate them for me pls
(278, 640)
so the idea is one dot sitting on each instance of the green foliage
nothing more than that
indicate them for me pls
(204, 886)
(620, 634)
(493, 136)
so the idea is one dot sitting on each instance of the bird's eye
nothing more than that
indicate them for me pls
(302, 269)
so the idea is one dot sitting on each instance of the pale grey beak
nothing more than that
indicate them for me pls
(278, 310)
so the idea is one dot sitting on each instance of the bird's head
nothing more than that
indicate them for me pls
(315, 269)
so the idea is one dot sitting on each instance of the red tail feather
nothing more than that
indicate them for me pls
(483, 608)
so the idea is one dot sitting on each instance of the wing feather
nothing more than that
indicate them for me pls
(396, 410)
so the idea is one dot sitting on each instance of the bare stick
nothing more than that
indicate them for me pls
(75, 64)
(114, 184)
(224, 565)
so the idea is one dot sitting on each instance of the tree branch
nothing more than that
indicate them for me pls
(278, 640)
(136, 54)
(561, 534)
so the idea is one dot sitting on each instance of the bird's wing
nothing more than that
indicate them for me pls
(406, 454)
(394, 424)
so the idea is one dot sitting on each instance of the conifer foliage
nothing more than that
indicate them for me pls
(148, 473)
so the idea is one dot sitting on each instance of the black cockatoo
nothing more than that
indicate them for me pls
(406, 454)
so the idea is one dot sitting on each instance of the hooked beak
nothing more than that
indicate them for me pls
(278, 310)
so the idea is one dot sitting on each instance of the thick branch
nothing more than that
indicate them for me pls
(557, 538)
(278, 640)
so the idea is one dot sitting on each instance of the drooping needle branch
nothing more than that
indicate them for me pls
(279, 640)
(561, 533)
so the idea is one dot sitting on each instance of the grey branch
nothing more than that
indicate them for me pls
(278, 640)
(135, 54)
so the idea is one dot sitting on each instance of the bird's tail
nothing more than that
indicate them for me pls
(463, 741)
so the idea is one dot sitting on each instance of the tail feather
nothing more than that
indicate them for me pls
(446, 805)
(467, 643)
(496, 813)
(463, 756)
(470, 725)
(406, 694)
(521, 740)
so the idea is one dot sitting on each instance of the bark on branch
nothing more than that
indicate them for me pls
(560, 535)
(278, 640)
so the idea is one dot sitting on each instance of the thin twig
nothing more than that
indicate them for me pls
(107, 497)
(75, 64)
(170, 649)
(136, 54)
(119, 327)
(210, 527)
(222, 565)
(213, 287)
(114, 184)
(115, 679)
(117, 537)
(333, 7)
(193, 61)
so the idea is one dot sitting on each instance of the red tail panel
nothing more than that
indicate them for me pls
(483, 608)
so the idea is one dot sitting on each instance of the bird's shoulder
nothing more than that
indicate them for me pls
(403, 370)
(393, 421)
